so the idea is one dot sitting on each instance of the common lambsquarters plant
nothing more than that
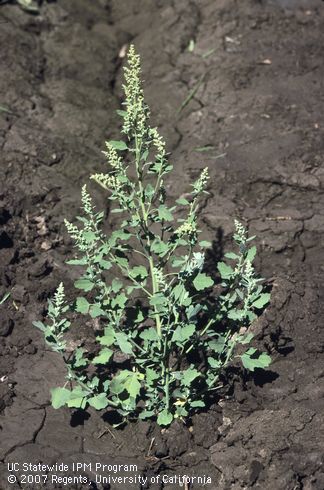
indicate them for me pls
(162, 337)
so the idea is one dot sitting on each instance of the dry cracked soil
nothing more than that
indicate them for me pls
(255, 106)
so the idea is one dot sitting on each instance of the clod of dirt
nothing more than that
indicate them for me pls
(177, 438)
(6, 396)
(19, 294)
(30, 349)
(40, 269)
(204, 438)
(5, 240)
(161, 448)
(4, 215)
(6, 325)
(255, 469)
(23, 342)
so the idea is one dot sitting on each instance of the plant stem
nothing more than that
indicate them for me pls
(201, 334)
(138, 146)
(166, 389)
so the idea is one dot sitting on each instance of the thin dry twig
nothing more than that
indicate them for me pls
(279, 218)
(150, 448)
(105, 432)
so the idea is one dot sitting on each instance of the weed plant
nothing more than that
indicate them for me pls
(164, 337)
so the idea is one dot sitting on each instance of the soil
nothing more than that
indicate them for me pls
(256, 75)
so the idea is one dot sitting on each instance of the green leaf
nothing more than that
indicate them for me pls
(60, 397)
(123, 343)
(202, 281)
(205, 244)
(5, 109)
(126, 380)
(225, 270)
(232, 256)
(51, 309)
(189, 375)
(95, 310)
(182, 334)
(251, 316)
(79, 360)
(149, 191)
(138, 272)
(40, 325)
(117, 385)
(149, 334)
(158, 300)
(146, 414)
(50, 338)
(103, 357)
(108, 338)
(151, 376)
(246, 339)
(236, 314)
(121, 113)
(156, 167)
(104, 264)
(118, 145)
(181, 410)
(261, 301)
(84, 284)
(164, 418)
(202, 149)
(181, 295)
(119, 235)
(140, 317)
(193, 311)
(145, 155)
(77, 402)
(89, 236)
(94, 383)
(132, 385)
(122, 261)
(116, 285)
(164, 213)
(82, 261)
(251, 254)
(252, 359)
(159, 248)
(82, 305)
(217, 345)
(106, 385)
(183, 243)
(178, 261)
(197, 404)
(120, 301)
(99, 401)
(214, 363)
(78, 398)
(182, 201)
(29, 6)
